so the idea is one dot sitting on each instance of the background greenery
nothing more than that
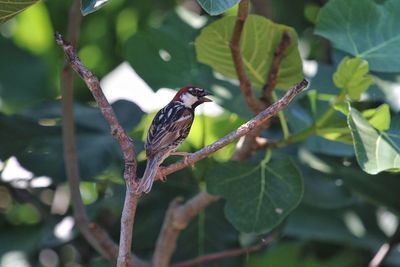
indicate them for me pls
(329, 187)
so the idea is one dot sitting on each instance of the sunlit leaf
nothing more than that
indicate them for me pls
(259, 196)
(368, 29)
(260, 38)
(88, 192)
(378, 117)
(10, 8)
(352, 76)
(216, 7)
(89, 6)
(376, 150)
(37, 18)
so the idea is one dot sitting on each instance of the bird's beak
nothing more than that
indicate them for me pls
(205, 99)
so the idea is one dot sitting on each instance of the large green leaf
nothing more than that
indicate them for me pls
(10, 8)
(352, 76)
(259, 41)
(216, 7)
(258, 196)
(376, 150)
(367, 29)
(89, 6)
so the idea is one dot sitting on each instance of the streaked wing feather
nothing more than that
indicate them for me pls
(169, 131)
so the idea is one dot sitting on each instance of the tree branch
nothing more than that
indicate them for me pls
(177, 218)
(96, 235)
(245, 85)
(244, 129)
(385, 249)
(270, 85)
(228, 253)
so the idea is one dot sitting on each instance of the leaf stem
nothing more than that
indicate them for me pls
(267, 157)
(329, 113)
(281, 116)
(313, 129)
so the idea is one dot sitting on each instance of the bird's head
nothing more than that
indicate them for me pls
(192, 96)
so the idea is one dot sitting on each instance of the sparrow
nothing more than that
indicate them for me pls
(168, 130)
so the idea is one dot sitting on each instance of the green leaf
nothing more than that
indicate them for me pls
(376, 150)
(259, 196)
(352, 76)
(260, 38)
(90, 6)
(10, 8)
(88, 192)
(216, 7)
(378, 117)
(367, 29)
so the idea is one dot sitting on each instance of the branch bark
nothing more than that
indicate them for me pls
(244, 129)
(177, 218)
(96, 235)
(385, 249)
(270, 85)
(245, 85)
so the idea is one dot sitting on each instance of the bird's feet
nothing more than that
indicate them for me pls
(163, 177)
(185, 156)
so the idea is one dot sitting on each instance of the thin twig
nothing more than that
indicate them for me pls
(244, 129)
(245, 85)
(385, 249)
(125, 257)
(270, 85)
(227, 253)
(177, 218)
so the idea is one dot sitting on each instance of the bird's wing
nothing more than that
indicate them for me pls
(169, 129)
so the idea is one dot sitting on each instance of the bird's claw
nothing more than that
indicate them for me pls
(163, 177)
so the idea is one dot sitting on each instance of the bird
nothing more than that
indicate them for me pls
(168, 130)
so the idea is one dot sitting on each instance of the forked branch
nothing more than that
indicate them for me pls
(245, 85)
(125, 257)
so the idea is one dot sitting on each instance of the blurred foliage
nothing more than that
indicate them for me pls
(330, 188)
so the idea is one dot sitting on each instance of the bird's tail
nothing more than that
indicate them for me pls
(146, 182)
